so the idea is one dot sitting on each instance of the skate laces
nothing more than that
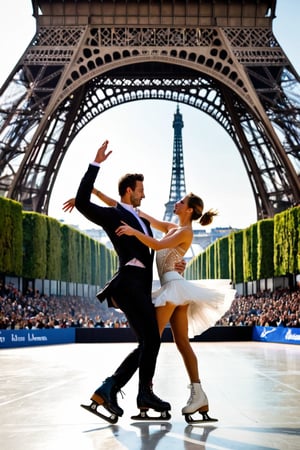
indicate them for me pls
(122, 393)
(190, 400)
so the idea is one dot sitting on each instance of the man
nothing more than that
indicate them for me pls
(129, 289)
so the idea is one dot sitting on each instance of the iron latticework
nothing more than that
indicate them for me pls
(220, 57)
(177, 188)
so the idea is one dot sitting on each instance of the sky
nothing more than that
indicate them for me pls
(141, 137)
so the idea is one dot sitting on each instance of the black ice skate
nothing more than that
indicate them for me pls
(146, 400)
(106, 396)
(113, 418)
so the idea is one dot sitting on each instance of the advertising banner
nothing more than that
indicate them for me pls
(26, 338)
(277, 334)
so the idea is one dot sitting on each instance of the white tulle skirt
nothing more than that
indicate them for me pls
(208, 300)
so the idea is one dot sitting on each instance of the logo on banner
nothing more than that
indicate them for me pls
(265, 332)
(292, 336)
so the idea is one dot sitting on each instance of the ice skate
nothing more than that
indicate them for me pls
(146, 400)
(106, 396)
(93, 408)
(197, 402)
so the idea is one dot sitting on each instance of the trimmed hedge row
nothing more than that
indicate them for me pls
(39, 247)
(268, 248)
(36, 246)
(11, 237)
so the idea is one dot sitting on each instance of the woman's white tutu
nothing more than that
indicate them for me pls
(208, 299)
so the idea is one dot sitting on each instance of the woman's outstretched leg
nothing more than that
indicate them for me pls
(198, 400)
(179, 325)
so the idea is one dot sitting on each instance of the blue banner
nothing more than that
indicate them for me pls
(276, 334)
(26, 338)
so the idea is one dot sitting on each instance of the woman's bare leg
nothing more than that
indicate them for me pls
(177, 316)
(179, 325)
(198, 400)
(163, 315)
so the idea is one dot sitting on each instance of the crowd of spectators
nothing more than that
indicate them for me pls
(33, 310)
(280, 308)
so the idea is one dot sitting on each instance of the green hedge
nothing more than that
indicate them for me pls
(266, 249)
(250, 253)
(265, 260)
(237, 256)
(53, 248)
(11, 237)
(286, 242)
(33, 246)
(71, 255)
(223, 267)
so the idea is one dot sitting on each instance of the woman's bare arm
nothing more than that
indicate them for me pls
(68, 206)
(105, 198)
(158, 224)
(181, 236)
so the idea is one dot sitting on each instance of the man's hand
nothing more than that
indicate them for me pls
(101, 155)
(180, 266)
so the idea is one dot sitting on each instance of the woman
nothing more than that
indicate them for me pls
(189, 307)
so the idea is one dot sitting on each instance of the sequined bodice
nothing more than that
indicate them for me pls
(166, 259)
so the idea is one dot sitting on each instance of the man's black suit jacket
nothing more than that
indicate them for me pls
(110, 218)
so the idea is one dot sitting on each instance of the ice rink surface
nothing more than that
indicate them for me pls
(253, 389)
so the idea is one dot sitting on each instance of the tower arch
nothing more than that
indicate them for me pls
(85, 58)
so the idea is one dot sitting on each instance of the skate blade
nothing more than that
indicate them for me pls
(100, 401)
(113, 418)
(164, 415)
(205, 418)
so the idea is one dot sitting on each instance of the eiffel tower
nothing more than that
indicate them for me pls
(177, 188)
(220, 57)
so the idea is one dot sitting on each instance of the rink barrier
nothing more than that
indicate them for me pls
(84, 335)
(29, 338)
(277, 334)
(26, 338)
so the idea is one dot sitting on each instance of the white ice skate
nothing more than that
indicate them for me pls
(197, 402)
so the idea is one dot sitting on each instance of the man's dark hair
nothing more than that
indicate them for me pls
(129, 180)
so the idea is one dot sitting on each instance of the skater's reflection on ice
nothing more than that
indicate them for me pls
(141, 435)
